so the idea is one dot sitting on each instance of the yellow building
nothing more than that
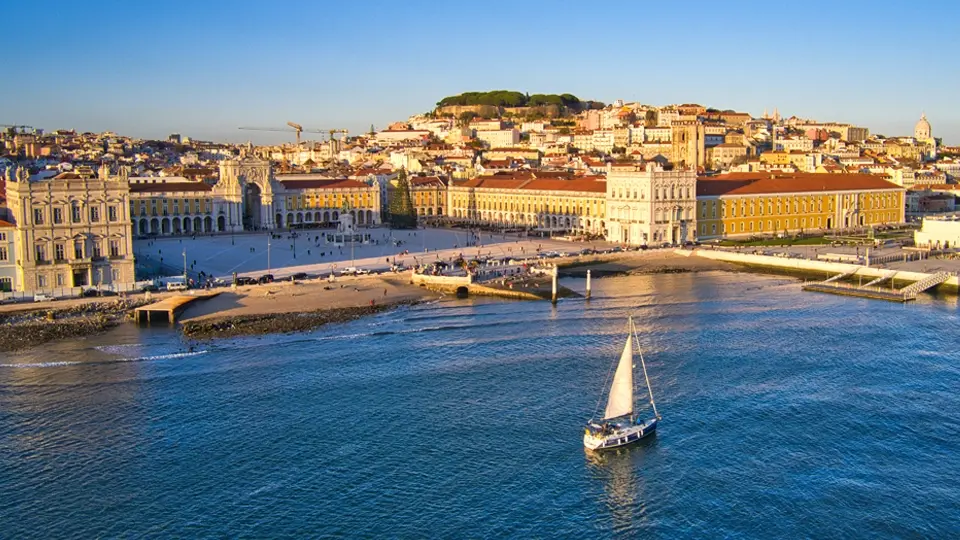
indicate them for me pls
(744, 204)
(548, 201)
(429, 195)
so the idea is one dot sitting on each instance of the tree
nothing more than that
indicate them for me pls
(401, 212)
(466, 116)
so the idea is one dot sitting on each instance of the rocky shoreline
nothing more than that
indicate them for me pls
(278, 323)
(24, 329)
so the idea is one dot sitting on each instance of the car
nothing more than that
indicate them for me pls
(177, 286)
(243, 280)
(266, 278)
(149, 288)
(617, 249)
(40, 297)
(349, 271)
(299, 276)
(90, 293)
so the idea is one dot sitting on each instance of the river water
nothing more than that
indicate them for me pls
(785, 414)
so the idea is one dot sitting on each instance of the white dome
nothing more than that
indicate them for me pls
(922, 129)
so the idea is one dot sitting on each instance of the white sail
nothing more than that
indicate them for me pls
(620, 401)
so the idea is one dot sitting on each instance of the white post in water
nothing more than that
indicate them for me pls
(554, 296)
(588, 284)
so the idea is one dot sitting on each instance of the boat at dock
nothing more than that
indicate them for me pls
(620, 424)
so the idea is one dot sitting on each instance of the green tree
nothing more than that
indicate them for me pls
(466, 116)
(402, 214)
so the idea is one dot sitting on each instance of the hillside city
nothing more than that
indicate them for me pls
(77, 206)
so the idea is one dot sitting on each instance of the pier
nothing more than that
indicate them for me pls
(919, 282)
(870, 290)
(167, 309)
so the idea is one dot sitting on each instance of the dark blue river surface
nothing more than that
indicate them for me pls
(785, 415)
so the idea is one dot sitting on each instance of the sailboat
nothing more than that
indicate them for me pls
(620, 425)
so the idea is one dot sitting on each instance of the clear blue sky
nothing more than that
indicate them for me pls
(204, 68)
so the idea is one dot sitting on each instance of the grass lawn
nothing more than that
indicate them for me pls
(809, 241)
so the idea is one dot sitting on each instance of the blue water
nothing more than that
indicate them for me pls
(785, 415)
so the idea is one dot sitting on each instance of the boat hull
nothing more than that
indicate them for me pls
(620, 437)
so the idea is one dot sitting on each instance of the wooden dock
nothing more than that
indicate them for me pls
(870, 290)
(167, 309)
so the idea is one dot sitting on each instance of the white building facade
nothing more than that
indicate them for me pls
(647, 205)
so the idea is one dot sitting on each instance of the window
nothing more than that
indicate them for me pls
(3, 253)
(41, 281)
(6, 284)
(60, 280)
(713, 228)
(114, 248)
(75, 212)
(94, 214)
(38, 216)
(41, 253)
(59, 252)
(78, 249)
(143, 208)
(58, 215)
(112, 213)
(115, 274)
(96, 249)
(3, 237)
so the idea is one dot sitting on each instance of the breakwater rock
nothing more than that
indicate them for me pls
(278, 323)
(29, 328)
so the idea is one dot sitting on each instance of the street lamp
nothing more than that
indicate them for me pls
(268, 253)
(184, 266)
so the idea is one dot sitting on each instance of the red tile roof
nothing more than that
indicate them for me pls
(542, 180)
(163, 187)
(5, 224)
(426, 180)
(757, 183)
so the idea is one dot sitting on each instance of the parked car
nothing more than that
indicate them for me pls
(91, 293)
(243, 280)
(40, 297)
(299, 276)
(266, 278)
(149, 288)
(177, 286)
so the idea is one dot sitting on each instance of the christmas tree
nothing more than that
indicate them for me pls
(402, 215)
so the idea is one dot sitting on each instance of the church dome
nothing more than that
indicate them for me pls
(922, 129)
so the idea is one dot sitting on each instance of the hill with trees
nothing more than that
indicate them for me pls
(511, 98)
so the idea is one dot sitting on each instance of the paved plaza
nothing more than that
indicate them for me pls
(247, 253)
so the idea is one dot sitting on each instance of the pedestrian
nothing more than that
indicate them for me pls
(384, 292)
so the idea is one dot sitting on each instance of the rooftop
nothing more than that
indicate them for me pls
(755, 183)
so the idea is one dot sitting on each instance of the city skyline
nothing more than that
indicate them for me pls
(204, 72)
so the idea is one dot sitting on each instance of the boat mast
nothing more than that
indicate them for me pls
(644, 365)
(630, 327)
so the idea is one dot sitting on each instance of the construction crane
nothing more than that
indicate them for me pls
(14, 128)
(298, 129)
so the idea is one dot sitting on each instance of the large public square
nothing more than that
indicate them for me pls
(287, 253)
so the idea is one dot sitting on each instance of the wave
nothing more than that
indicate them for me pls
(170, 356)
(39, 364)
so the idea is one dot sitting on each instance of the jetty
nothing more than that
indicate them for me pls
(168, 309)
(871, 290)
(842, 273)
